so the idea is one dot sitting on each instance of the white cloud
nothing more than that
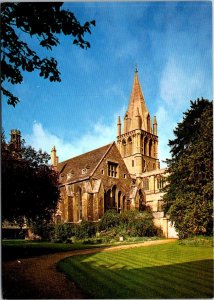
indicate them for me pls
(180, 82)
(97, 136)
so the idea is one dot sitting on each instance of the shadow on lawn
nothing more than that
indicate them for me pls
(113, 281)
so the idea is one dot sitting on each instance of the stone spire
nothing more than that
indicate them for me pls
(137, 101)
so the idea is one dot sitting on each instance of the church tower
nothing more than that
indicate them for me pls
(138, 142)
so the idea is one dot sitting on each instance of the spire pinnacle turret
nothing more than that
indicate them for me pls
(136, 70)
(137, 101)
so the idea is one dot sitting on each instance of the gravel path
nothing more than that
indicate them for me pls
(37, 277)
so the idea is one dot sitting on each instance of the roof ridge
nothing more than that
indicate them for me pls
(65, 161)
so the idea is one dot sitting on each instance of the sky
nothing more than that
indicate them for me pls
(171, 44)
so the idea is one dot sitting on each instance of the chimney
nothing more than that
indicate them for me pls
(15, 139)
(54, 158)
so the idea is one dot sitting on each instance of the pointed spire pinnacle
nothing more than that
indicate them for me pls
(155, 126)
(118, 126)
(136, 70)
(137, 100)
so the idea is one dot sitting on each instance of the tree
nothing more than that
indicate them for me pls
(188, 198)
(45, 21)
(30, 190)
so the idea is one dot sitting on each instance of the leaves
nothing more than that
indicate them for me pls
(44, 21)
(189, 195)
(29, 186)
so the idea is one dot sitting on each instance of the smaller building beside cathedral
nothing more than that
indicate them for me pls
(125, 175)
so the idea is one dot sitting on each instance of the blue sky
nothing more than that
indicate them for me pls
(171, 43)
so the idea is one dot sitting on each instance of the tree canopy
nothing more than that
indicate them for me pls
(29, 186)
(189, 193)
(45, 21)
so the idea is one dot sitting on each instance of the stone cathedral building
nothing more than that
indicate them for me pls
(124, 175)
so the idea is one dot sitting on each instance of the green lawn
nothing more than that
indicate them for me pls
(16, 249)
(162, 271)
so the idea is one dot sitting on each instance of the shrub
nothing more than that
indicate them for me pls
(61, 232)
(85, 229)
(126, 224)
(138, 223)
(110, 219)
(44, 229)
(64, 232)
(197, 241)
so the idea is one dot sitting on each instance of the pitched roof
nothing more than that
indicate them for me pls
(81, 167)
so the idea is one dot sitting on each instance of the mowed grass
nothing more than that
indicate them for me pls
(161, 271)
(16, 249)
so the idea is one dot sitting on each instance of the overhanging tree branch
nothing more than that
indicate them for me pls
(44, 21)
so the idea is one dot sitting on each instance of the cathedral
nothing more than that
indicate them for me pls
(123, 175)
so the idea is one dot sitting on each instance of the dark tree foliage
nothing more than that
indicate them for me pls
(29, 186)
(189, 193)
(45, 21)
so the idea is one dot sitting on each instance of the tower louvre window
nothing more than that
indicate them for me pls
(112, 169)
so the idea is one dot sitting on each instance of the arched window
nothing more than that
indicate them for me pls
(129, 146)
(113, 192)
(123, 148)
(145, 146)
(148, 123)
(124, 203)
(119, 201)
(150, 148)
(79, 201)
(70, 209)
(107, 200)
